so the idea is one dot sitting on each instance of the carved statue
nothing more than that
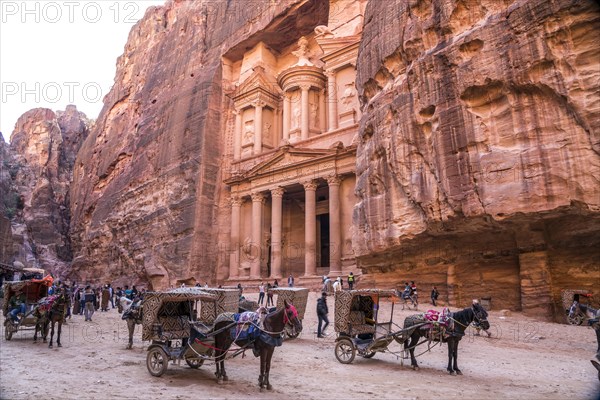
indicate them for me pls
(323, 30)
(302, 52)
(296, 118)
(314, 115)
(267, 129)
(249, 133)
(349, 95)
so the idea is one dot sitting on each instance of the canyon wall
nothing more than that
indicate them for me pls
(43, 148)
(478, 167)
(147, 190)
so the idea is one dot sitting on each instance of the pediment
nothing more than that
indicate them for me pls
(289, 158)
(259, 80)
(330, 45)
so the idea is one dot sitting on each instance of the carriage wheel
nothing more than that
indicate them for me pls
(369, 354)
(345, 351)
(576, 320)
(291, 332)
(157, 361)
(8, 332)
(194, 362)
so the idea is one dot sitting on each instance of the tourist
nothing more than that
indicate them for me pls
(261, 293)
(111, 293)
(434, 295)
(275, 283)
(415, 295)
(270, 295)
(291, 281)
(89, 299)
(17, 305)
(337, 285)
(350, 280)
(105, 298)
(322, 312)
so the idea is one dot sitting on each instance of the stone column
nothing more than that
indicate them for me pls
(234, 257)
(276, 217)
(287, 113)
(255, 254)
(237, 135)
(305, 112)
(258, 126)
(332, 100)
(322, 114)
(310, 228)
(335, 229)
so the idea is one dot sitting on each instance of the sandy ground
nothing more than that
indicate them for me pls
(525, 359)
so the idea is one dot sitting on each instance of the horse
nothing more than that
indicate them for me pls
(263, 345)
(593, 316)
(460, 320)
(132, 313)
(49, 312)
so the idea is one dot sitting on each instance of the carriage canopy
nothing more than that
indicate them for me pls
(34, 290)
(354, 309)
(297, 296)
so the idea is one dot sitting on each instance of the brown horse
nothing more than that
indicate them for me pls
(51, 312)
(270, 335)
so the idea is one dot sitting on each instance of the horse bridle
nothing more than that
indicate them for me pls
(286, 318)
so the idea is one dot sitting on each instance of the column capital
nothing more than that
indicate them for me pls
(334, 180)
(277, 192)
(236, 201)
(330, 73)
(305, 86)
(310, 185)
(257, 197)
(237, 111)
(259, 104)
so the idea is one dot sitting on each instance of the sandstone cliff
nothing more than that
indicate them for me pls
(43, 148)
(478, 166)
(148, 181)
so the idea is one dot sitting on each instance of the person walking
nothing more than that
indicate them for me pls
(261, 293)
(415, 295)
(434, 295)
(322, 312)
(89, 298)
(269, 295)
(291, 281)
(350, 280)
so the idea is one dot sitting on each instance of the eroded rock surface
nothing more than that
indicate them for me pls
(148, 181)
(478, 166)
(43, 148)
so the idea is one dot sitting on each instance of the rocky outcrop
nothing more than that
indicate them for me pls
(148, 181)
(478, 165)
(43, 148)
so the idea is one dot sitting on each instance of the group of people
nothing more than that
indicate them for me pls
(268, 289)
(410, 293)
(86, 300)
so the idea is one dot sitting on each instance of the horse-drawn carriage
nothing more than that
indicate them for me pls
(568, 296)
(359, 328)
(34, 290)
(173, 321)
(197, 324)
(358, 325)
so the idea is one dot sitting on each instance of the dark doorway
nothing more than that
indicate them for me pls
(324, 236)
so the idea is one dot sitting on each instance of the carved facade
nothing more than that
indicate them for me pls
(293, 155)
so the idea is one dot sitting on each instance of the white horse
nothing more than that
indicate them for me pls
(593, 317)
(132, 313)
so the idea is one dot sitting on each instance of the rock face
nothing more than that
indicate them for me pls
(43, 148)
(7, 205)
(478, 165)
(147, 184)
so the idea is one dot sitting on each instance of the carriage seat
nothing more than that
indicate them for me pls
(358, 324)
(175, 327)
